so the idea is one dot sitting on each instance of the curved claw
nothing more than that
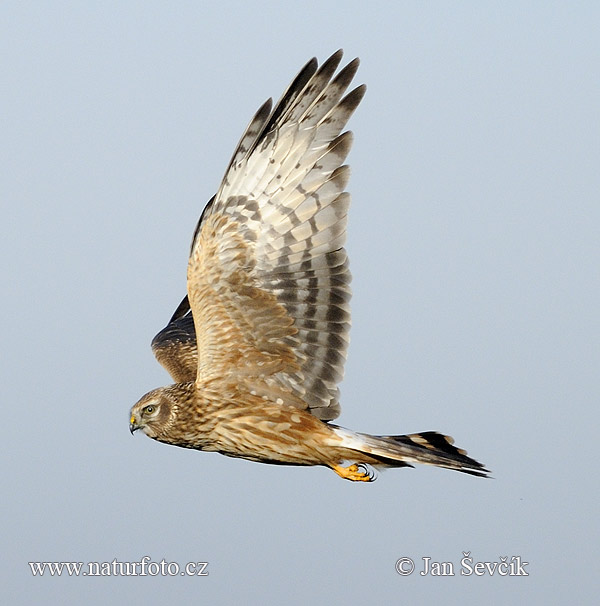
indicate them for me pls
(369, 471)
(355, 473)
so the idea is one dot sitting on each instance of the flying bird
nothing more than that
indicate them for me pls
(257, 347)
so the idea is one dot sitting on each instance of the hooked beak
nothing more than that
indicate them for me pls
(132, 425)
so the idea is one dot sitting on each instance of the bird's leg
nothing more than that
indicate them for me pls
(354, 473)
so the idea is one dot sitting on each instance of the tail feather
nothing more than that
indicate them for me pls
(428, 448)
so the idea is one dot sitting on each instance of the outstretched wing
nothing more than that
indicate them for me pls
(268, 279)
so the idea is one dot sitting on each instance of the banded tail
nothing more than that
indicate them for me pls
(428, 448)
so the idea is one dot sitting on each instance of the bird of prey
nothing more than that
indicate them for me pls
(257, 347)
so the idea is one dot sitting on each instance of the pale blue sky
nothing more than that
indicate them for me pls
(474, 242)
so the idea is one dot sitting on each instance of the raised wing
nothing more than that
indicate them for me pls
(268, 279)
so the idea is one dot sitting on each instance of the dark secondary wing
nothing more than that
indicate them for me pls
(175, 345)
(268, 278)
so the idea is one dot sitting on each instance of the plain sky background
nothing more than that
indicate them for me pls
(474, 244)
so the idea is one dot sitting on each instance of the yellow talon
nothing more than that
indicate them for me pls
(353, 473)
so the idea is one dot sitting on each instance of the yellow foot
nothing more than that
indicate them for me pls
(354, 473)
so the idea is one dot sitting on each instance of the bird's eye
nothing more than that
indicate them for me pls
(149, 409)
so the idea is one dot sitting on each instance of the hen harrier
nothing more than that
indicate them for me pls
(257, 347)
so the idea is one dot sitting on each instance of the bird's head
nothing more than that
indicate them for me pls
(152, 413)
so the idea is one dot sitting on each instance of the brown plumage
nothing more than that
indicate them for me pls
(257, 347)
